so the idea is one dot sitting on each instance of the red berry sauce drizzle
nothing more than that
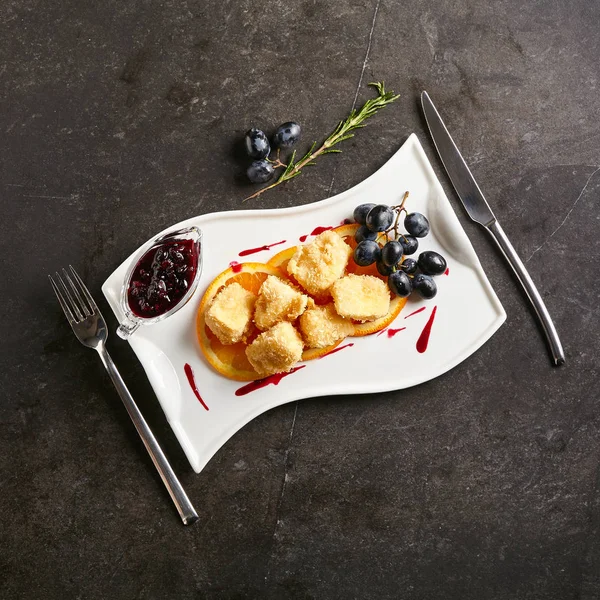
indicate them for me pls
(235, 266)
(261, 383)
(415, 312)
(277, 377)
(315, 231)
(424, 337)
(161, 278)
(260, 248)
(337, 350)
(391, 332)
(190, 377)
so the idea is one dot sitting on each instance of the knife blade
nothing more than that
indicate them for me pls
(479, 210)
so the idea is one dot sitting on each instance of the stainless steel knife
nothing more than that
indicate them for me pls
(479, 210)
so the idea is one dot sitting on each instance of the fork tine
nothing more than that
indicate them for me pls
(82, 305)
(85, 291)
(66, 294)
(61, 301)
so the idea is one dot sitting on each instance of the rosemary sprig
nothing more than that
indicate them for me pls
(355, 120)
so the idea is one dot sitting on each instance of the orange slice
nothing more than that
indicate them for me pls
(281, 259)
(347, 233)
(312, 353)
(347, 230)
(250, 276)
(231, 360)
(396, 305)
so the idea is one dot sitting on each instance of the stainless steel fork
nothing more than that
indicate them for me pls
(90, 328)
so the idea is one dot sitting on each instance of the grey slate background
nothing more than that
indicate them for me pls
(118, 119)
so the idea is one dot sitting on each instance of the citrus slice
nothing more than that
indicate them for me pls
(281, 259)
(396, 305)
(312, 353)
(346, 232)
(231, 360)
(369, 327)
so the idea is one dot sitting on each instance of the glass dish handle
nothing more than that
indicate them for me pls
(127, 328)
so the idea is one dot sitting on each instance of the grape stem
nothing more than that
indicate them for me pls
(343, 131)
(277, 162)
(399, 208)
(396, 222)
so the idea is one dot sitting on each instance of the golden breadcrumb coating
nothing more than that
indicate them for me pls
(230, 313)
(317, 265)
(321, 326)
(277, 301)
(275, 350)
(361, 297)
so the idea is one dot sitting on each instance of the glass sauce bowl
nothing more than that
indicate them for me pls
(161, 279)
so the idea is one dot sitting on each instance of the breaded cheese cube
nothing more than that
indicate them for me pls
(361, 297)
(321, 326)
(275, 350)
(230, 313)
(277, 301)
(317, 265)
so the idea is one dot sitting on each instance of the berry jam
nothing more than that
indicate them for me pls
(161, 278)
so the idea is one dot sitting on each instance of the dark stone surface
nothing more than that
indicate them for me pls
(118, 119)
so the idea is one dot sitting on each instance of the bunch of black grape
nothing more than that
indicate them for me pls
(379, 224)
(258, 147)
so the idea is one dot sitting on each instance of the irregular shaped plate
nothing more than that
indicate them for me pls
(467, 314)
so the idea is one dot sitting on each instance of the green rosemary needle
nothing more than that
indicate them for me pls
(355, 120)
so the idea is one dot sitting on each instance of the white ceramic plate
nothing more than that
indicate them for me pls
(468, 311)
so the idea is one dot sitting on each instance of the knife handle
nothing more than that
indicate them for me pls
(534, 296)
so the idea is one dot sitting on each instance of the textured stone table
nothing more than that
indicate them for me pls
(118, 119)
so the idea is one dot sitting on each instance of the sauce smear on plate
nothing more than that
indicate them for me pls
(424, 337)
(315, 231)
(190, 377)
(392, 332)
(337, 349)
(261, 383)
(260, 248)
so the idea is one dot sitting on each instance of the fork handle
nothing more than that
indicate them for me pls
(184, 506)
